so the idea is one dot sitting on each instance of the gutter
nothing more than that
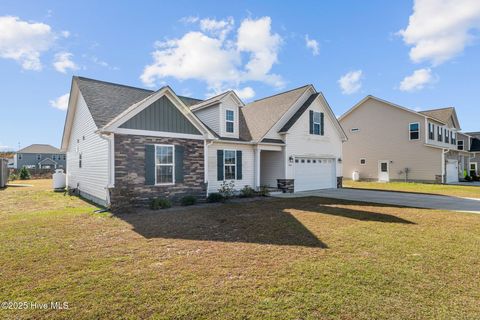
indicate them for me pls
(109, 137)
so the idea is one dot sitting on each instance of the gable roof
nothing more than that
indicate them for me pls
(40, 148)
(106, 100)
(261, 115)
(299, 112)
(443, 114)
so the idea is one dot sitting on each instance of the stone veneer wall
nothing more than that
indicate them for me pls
(130, 188)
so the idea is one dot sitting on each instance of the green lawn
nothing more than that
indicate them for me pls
(309, 258)
(450, 190)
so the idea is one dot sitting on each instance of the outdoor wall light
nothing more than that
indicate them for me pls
(339, 160)
(290, 159)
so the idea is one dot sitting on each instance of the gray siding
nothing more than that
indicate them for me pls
(161, 115)
(30, 159)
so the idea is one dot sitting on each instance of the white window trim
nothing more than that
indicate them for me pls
(410, 131)
(463, 145)
(227, 121)
(431, 130)
(470, 167)
(159, 164)
(319, 123)
(363, 164)
(235, 170)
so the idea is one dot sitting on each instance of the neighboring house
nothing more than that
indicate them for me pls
(40, 156)
(125, 143)
(474, 161)
(387, 142)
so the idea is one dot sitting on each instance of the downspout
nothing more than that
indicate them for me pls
(205, 160)
(111, 162)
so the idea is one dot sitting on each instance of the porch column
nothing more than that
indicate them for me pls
(257, 168)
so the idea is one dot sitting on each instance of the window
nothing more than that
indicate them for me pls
(316, 123)
(439, 134)
(354, 130)
(64, 157)
(39, 156)
(414, 131)
(230, 164)
(80, 160)
(447, 134)
(453, 138)
(363, 161)
(431, 131)
(229, 118)
(164, 164)
(460, 144)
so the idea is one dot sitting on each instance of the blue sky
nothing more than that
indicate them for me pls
(347, 49)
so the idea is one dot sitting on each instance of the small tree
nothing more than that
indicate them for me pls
(24, 174)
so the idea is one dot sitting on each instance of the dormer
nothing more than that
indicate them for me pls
(221, 114)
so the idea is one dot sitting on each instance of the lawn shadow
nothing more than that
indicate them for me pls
(262, 222)
(334, 207)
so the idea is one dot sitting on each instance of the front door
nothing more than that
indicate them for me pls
(383, 171)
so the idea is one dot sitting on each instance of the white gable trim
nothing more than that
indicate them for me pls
(387, 103)
(333, 118)
(212, 101)
(72, 106)
(136, 108)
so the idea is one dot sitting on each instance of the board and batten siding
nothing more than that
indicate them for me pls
(92, 178)
(383, 134)
(161, 115)
(248, 177)
(300, 143)
(210, 116)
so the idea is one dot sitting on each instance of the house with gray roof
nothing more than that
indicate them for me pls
(40, 156)
(388, 142)
(130, 144)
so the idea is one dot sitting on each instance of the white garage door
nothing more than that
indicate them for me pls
(314, 173)
(452, 171)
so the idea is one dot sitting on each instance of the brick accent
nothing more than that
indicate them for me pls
(286, 185)
(339, 182)
(130, 189)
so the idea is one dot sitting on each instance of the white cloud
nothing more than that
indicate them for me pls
(245, 93)
(61, 102)
(5, 148)
(189, 19)
(438, 30)
(65, 33)
(214, 56)
(24, 42)
(351, 82)
(417, 80)
(312, 45)
(63, 62)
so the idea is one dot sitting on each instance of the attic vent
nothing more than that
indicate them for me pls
(354, 130)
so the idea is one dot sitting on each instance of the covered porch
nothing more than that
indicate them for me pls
(270, 165)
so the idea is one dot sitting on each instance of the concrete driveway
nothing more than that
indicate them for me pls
(394, 198)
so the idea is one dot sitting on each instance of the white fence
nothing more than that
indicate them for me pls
(4, 172)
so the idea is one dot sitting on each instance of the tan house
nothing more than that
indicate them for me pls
(388, 142)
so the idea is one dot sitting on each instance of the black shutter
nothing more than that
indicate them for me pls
(239, 165)
(179, 155)
(322, 124)
(220, 165)
(311, 121)
(149, 164)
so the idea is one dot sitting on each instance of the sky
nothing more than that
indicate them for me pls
(420, 54)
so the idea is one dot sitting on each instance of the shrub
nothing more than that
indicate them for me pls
(227, 189)
(12, 177)
(247, 192)
(188, 200)
(475, 177)
(263, 191)
(215, 197)
(160, 203)
(468, 178)
(24, 174)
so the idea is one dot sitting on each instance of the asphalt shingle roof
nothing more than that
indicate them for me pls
(107, 100)
(299, 113)
(442, 114)
(40, 148)
(261, 115)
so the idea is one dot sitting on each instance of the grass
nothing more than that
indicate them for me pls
(442, 189)
(309, 258)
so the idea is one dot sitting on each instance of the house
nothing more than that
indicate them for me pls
(474, 161)
(39, 156)
(127, 143)
(388, 142)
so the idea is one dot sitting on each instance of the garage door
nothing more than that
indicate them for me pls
(314, 173)
(452, 171)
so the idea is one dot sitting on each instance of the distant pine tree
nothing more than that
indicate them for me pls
(24, 174)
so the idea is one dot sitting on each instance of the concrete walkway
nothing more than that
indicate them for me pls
(394, 198)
